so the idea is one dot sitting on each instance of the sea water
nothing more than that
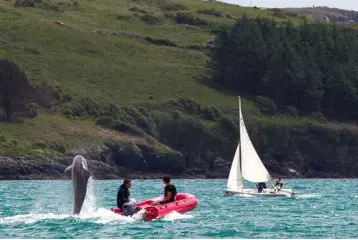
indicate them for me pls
(323, 208)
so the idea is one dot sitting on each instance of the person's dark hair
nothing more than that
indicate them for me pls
(126, 181)
(166, 179)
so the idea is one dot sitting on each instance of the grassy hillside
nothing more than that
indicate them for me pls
(98, 50)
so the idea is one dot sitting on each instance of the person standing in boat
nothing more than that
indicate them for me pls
(260, 186)
(170, 192)
(124, 201)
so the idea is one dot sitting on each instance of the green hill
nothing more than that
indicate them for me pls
(140, 68)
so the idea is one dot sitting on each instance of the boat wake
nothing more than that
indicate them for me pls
(176, 216)
(308, 195)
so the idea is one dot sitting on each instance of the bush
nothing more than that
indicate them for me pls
(139, 118)
(189, 105)
(150, 19)
(136, 9)
(126, 128)
(14, 88)
(319, 117)
(229, 16)
(187, 18)
(83, 107)
(177, 114)
(111, 110)
(169, 15)
(123, 17)
(291, 110)
(161, 42)
(227, 124)
(27, 3)
(175, 7)
(58, 147)
(31, 110)
(266, 105)
(105, 121)
(210, 113)
(211, 12)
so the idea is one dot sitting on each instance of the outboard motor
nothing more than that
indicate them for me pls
(129, 208)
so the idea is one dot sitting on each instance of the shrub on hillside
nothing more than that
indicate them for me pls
(14, 88)
(161, 42)
(31, 110)
(188, 18)
(319, 117)
(227, 124)
(175, 7)
(138, 117)
(291, 110)
(150, 19)
(27, 3)
(126, 128)
(210, 113)
(136, 9)
(123, 17)
(189, 105)
(105, 121)
(211, 12)
(266, 105)
(169, 15)
(83, 107)
(177, 114)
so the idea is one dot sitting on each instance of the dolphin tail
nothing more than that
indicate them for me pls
(68, 169)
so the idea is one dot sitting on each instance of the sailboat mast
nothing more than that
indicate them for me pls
(240, 159)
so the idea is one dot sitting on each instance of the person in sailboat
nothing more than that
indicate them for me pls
(278, 184)
(260, 186)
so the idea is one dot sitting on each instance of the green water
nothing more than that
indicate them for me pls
(42, 209)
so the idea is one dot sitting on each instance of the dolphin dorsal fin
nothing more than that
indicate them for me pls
(68, 168)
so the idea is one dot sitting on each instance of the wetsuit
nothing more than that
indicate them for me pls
(169, 188)
(261, 186)
(279, 184)
(122, 196)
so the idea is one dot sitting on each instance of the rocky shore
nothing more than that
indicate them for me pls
(53, 169)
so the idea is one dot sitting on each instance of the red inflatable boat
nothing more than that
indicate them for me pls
(184, 202)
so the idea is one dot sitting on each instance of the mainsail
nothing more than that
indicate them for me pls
(252, 167)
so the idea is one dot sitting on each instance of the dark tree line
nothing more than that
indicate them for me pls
(313, 67)
(14, 88)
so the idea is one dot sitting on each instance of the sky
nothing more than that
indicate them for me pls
(344, 4)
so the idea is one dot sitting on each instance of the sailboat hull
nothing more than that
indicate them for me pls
(268, 192)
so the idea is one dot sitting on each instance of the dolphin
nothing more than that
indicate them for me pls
(80, 175)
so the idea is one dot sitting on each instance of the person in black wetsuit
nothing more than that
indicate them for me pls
(170, 192)
(261, 186)
(123, 199)
(123, 193)
(278, 184)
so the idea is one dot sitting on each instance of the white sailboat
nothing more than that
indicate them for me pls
(248, 165)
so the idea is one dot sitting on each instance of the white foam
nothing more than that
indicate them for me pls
(89, 204)
(308, 195)
(176, 216)
(32, 218)
(89, 213)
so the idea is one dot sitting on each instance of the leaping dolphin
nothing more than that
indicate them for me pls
(80, 175)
